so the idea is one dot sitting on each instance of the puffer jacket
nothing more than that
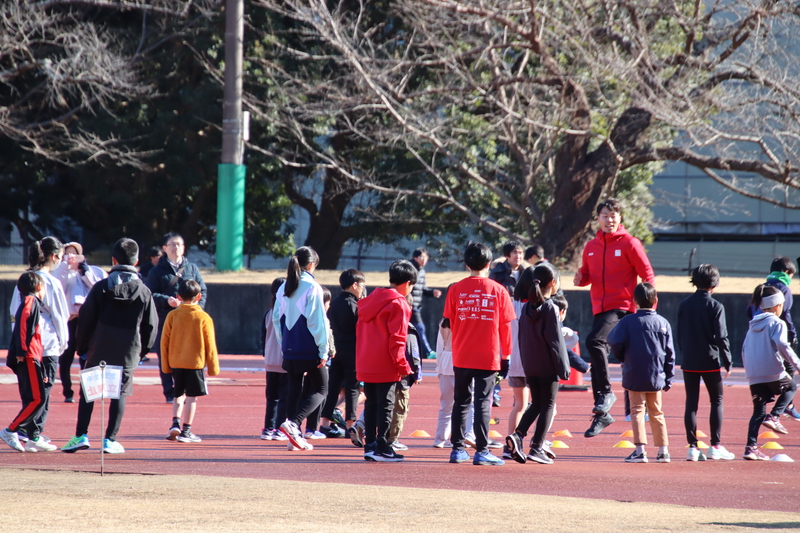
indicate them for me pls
(541, 343)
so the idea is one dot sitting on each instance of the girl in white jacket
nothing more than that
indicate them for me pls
(765, 347)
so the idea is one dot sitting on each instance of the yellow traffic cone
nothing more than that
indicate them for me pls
(771, 446)
(624, 444)
(493, 434)
(559, 444)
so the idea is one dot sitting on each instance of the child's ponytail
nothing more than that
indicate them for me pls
(300, 261)
(761, 292)
(40, 252)
(543, 275)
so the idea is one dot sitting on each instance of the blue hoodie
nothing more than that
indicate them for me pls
(300, 321)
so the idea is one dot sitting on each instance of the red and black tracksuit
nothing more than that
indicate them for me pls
(26, 342)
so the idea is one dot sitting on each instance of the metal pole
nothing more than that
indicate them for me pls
(231, 171)
(102, 414)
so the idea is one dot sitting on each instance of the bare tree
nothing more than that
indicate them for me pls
(525, 114)
(57, 63)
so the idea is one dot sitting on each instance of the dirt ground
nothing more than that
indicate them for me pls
(728, 285)
(87, 502)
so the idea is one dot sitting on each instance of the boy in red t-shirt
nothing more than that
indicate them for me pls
(480, 313)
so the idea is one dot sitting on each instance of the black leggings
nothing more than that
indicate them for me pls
(713, 381)
(543, 401)
(276, 400)
(764, 393)
(115, 412)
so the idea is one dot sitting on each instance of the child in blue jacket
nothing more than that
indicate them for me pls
(643, 344)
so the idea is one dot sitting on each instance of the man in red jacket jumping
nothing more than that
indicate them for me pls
(611, 264)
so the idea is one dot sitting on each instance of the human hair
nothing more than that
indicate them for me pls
(510, 246)
(783, 264)
(542, 275)
(171, 235)
(401, 271)
(761, 292)
(155, 251)
(326, 294)
(300, 261)
(28, 283)
(612, 204)
(125, 251)
(188, 289)
(477, 256)
(523, 286)
(418, 252)
(532, 250)
(40, 252)
(276, 284)
(560, 300)
(705, 276)
(350, 276)
(645, 295)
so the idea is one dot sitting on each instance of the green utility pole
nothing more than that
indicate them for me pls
(231, 172)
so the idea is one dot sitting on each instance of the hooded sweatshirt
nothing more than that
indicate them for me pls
(765, 347)
(381, 333)
(541, 343)
(118, 321)
(54, 313)
(611, 264)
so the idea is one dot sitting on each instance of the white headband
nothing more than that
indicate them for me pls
(772, 300)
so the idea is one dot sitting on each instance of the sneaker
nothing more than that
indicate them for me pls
(637, 457)
(774, 423)
(387, 457)
(469, 442)
(507, 454)
(537, 455)
(442, 444)
(694, 454)
(486, 459)
(663, 457)
(338, 418)
(494, 445)
(293, 435)
(600, 422)
(112, 446)
(266, 434)
(332, 432)
(76, 443)
(69, 400)
(291, 447)
(369, 451)
(12, 439)
(188, 436)
(355, 437)
(792, 413)
(314, 435)
(547, 451)
(459, 456)
(496, 400)
(752, 453)
(40, 445)
(398, 446)
(174, 431)
(277, 435)
(604, 404)
(514, 445)
(719, 453)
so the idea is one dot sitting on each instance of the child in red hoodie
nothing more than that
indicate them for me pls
(25, 359)
(381, 334)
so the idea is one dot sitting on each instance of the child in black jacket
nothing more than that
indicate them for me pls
(703, 342)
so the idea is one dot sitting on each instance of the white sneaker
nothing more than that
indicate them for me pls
(694, 454)
(719, 453)
(12, 439)
(277, 435)
(292, 432)
(39, 445)
(315, 435)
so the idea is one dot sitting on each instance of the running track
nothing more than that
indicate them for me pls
(230, 420)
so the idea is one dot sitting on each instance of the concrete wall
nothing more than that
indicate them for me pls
(237, 311)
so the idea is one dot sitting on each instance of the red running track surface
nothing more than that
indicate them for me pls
(230, 420)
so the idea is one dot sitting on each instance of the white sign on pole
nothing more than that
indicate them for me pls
(96, 385)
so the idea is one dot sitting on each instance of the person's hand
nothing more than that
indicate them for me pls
(727, 372)
(437, 293)
(20, 359)
(322, 362)
(173, 302)
(666, 388)
(577, 279)
(73, 260)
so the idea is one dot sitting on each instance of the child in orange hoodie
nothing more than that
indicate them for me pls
(188, 346)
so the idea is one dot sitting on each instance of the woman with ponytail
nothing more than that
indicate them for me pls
(43, 257)
(301, 328)
(544, 360)
(766, 347)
